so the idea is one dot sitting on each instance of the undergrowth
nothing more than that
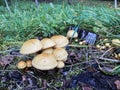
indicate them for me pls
(28, 21)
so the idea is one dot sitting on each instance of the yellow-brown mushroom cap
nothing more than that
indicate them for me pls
(21, 65)
(70, 34)
(48, 50)
(60, 40)
(47, 43)
(116, 42)
(31, 46)
(60, 64)
(44, 61)
(60, 54)
(29, 63)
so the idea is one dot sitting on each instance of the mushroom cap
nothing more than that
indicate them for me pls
(60, 54)
(65, 59)
(21, 65)
(48, 50)
(70, 34)
(44, 61)
(119, 54)
(29, 63)
(47, 43)
(61, 41)
(31, 46)
(116, 42)
(60, 64)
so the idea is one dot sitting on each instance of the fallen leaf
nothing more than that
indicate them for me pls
(86, 87)
(117, 83)
(6, 60)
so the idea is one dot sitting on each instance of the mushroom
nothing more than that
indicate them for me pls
(60, 40)
(98, 46)
(72, 34)
(29, 63)
(21, 65)
(119, 55)
(116, 42)
(47, 43)
(31, 46)
(60, 64)
(48, 50)
(76, 40)
(82, 42)
(103, 47)
(60, 54)
(107, 45)
(44, 61)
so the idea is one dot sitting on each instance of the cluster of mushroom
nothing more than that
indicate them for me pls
(23, 64)
(53, 53)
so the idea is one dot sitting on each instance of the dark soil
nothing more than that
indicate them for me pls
(80, 73)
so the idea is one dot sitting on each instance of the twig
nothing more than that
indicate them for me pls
(77, 45)
(113, 60)
(37, 3)
(115, 3)
(8, 70)
(7, 6)
(51, 86)
(109, 83)
(106, 52)
(76, 64)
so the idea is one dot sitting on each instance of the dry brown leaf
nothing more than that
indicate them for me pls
(117, 83)
(86, 87)
(6, 60)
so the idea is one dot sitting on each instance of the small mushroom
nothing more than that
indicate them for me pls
(119, 55)
(60, 54)
(21, 65)
(29, 63)
(47, 43)
(48, 50)
(76, 40)
(116, 42)
(98, 46)
(105, 40)
(72, 34)
(82, 42)
(60, 64)
(102, 47)
(60, 40)
(44, 61)
(31, 46)
(107, 45)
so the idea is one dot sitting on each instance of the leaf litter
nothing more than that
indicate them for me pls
(82, 71)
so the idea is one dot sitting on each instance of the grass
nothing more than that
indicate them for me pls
(26, 21)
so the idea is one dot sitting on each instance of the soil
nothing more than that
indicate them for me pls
(81, 72)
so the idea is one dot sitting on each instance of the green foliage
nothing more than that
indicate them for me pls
(116, 70)
(27, 21)
(2, 2)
